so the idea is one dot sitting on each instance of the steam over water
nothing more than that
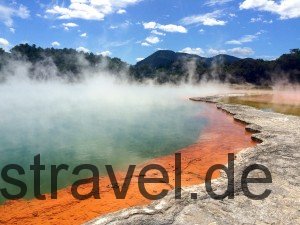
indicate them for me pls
(99, 121)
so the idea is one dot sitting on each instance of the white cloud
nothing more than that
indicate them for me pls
(139, 59)
(201, 30)
(123, 25)
(121, 11)
(4, 42)
(256, 19)
(90, 9)
(83, 35)
(213, 52)
(145, 44)
(55, 44)
(67, 26)
(70, 25)
(113, 27)
(105, 53)
(13, 30)
(208, 19)
(152, 40)
(268, 21)
(241, 51)
(244, 39)
(260, 19)
(233, 42)
(194, 51)
(172, 28)
(150, 25)
(7, 14)
(216, 2)
(157, 33)
(267, 57)
(286, 9)
(82, 49)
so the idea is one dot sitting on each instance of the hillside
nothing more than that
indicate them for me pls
(167, 66)
(48, 63)
(165, 59)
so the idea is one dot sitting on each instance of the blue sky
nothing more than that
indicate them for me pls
(133, 29)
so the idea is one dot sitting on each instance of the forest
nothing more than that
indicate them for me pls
(163, 66)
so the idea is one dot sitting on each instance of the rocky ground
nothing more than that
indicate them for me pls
(279, 151)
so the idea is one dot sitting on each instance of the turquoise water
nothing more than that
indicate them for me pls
(77, 127)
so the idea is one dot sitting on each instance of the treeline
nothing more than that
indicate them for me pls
(167, 66)
(49, 62)
(163, 66)
(257, 71)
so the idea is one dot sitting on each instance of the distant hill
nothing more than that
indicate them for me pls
(168, 66)
(222, 58)
(165, 59)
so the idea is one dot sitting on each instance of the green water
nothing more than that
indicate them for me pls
(93, 130)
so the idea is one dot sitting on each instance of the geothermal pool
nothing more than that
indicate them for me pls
(100, 122)
(76, 125)
(219, 136)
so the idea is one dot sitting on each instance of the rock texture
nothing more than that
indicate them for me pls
(278, 150)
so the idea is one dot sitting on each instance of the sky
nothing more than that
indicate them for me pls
(134, 29)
